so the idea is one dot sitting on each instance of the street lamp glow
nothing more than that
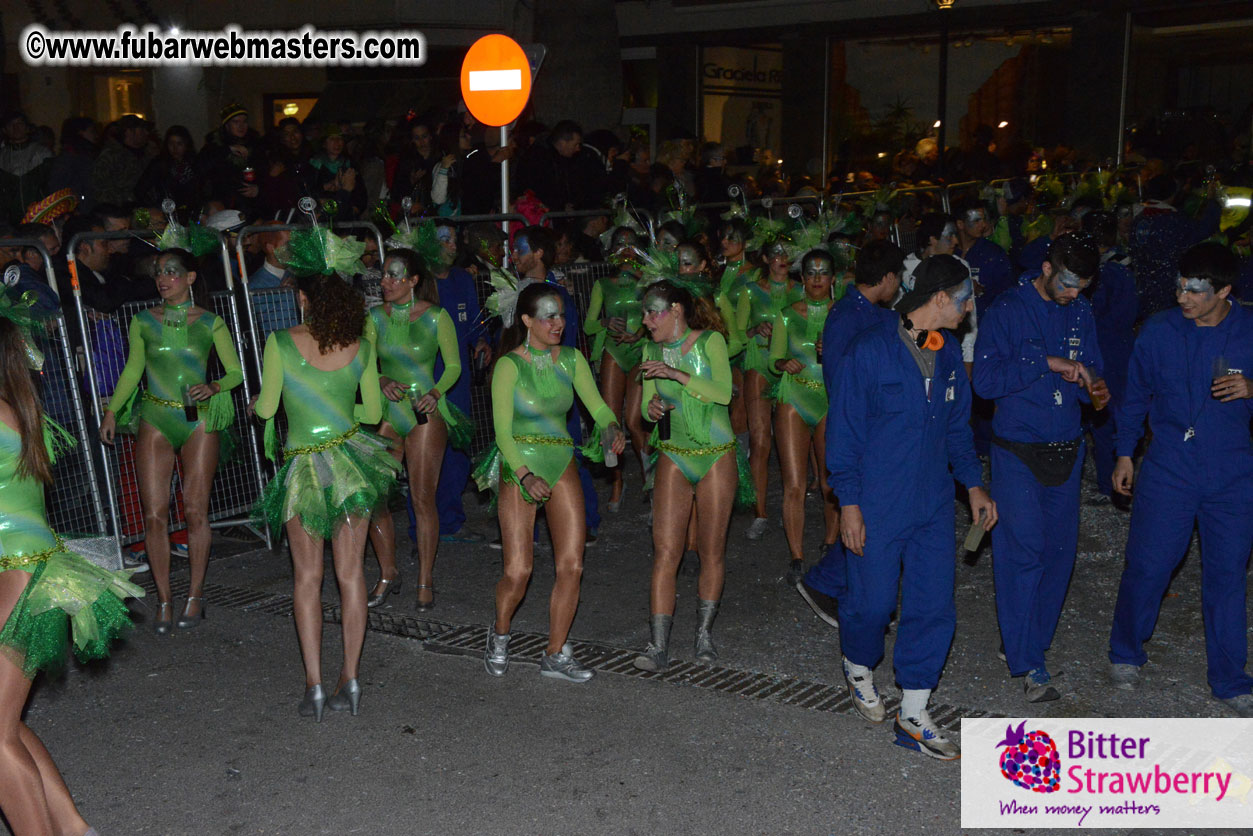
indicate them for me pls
(1002, 124)
(937, 124)
(882, 154)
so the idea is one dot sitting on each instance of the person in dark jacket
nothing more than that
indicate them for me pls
(232, 165)
(173, 173)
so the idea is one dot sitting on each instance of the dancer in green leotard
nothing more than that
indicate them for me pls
(335, 475)
(41, 582)
(758, 304)
(169, 349)
(688, 386)
(614, 322)
(410, 329)
(800, 419)
(533, 388)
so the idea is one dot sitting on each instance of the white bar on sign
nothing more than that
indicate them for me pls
(488, 80)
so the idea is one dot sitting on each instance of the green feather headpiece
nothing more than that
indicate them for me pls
(318, 251)
(196, 239)
(21, 311)
(423, 241)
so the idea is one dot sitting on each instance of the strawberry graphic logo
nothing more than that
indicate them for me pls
(1030, 759)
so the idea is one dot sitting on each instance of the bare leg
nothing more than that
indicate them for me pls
(154, 466)
(348, 552)
(635, 418)
(306, 559)
(424, 456)
(517, 549)
(382, 531)
(672, 509)
(613, 383)
(794, 447)
(715, 496)
(759, 409)
(32, 794)
(830, 511)
(568, 525)
(200, 461)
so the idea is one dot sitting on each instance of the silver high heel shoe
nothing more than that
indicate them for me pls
(424, 606)
(385, 585)
(165, 618)
(347, 698)
(185, 621)
(313, 703)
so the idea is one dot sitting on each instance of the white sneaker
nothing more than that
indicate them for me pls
(865, 696)
(921, 735)
(757, 528)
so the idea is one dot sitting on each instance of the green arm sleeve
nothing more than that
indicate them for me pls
(591, 323)
(370, 331)
(743, 309)
(504, 379)
(585, 386)
(136, 359)
(370, 410)
(271, 378)
(233, 373)
(446, 335)
(778, 338)
(717, 389)
(727, 312)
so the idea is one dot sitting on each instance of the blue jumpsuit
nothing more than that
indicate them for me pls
(1034, 543)
(896, 448)
(850, 316)
(1203, 481)
(1114, 307)
(991, 268)
(1158, 239)
(457, 295)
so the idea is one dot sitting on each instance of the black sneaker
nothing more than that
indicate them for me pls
(823, 605)
(590, 539)
(795, 571)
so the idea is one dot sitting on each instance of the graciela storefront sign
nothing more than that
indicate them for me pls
(1123, 773)
(741, 90)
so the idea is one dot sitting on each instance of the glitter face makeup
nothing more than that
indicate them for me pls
(655, 306)
(549, 307)
(1069, 280)
(395, 270)
(445, 234)
(521, 246)
(963, 293)
(1197, 287)
(689, 261)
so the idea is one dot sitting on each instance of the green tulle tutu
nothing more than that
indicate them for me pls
(488, 471)
(352, 477)
(400, 415)
(38, 631)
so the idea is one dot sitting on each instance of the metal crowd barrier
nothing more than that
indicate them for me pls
(74, 503)
(238, 482)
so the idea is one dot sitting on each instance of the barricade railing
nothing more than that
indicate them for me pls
(74, 503)
(238, 482)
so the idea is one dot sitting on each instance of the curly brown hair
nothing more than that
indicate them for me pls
(335, 313)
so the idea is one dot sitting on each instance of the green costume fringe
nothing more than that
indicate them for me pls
(353, 478)
(745, 495)
(57, 439)
(488, 471)
(37, 633)
(196, 239)
(423, 241)
(126, 419)
(271, 440)
(460, 427)
(318, 251)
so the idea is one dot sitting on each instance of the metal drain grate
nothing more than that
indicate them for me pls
(528, 648)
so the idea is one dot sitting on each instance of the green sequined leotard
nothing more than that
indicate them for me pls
(332, 469)
(756, 305)
(530, 401)
(406, 351)
(62, 583)
(726, 299)
(175, 353)
(794, 337)
(700, 426)
(610, 299)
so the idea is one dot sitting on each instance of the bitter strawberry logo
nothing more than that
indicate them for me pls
(1030, 759)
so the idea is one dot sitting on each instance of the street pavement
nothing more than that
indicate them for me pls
(197, 732)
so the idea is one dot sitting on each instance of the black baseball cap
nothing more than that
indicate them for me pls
(933, 274)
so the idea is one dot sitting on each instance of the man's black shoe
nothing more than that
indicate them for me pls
(823, 605)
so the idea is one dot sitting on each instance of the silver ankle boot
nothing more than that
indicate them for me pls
(654, 657)
(706, 612)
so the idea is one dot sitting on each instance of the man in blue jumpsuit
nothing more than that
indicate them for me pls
(1037, 357)
(1114, 307)
(902, 418)
(1189, 374)
(993, 273)
(877, 279)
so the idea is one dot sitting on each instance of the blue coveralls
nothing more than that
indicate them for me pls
(1204, 481)
(1114, 307)
(850, 316)
(458, 296)
(1034, 543)
(896, 448)
(1034, 254)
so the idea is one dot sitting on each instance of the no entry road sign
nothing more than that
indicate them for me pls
(495, 80)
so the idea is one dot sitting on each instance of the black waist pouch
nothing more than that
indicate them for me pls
(1050, 462)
